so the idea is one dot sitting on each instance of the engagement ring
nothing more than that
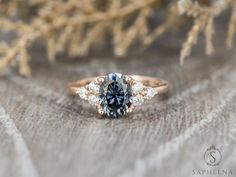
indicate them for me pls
(115, 94)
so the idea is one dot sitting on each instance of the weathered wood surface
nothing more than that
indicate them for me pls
(46, 133)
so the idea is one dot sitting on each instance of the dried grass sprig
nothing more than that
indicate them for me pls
(198, 26)
(231, 28)
(204, 16)
(75, 26)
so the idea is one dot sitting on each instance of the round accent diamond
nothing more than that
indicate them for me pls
(137, 87)
(137, 100)
(93, 87)
(115, 95)
(93, 100)
(150, 93)
(82, 92)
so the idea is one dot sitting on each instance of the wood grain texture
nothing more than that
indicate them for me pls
(46, 133)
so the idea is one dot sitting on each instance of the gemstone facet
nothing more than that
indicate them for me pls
(114, 95)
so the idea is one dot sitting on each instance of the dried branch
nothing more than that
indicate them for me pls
(75, 26)
(231, 29)
(203, 21)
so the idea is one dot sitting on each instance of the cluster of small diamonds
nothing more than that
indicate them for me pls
(141, 93)
(90, 93)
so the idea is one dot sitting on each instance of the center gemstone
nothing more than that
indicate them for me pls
(115, 95)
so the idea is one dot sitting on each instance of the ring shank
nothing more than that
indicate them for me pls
(160, 86)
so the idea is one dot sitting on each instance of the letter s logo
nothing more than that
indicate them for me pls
(212, 156)
(213, 160)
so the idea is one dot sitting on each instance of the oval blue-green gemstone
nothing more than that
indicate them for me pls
(115, 95)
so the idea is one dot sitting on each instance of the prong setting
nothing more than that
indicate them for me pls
(143, 92)
(130, 109)
(100, 80)
(100, 110)
(129, 80)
